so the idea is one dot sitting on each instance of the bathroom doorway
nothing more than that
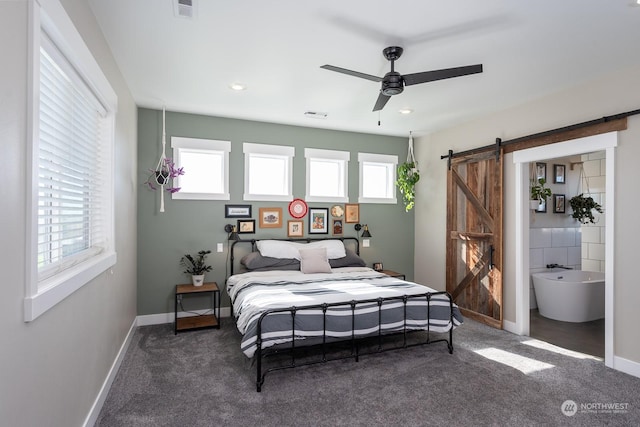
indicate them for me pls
(522, 160)
(561, 246)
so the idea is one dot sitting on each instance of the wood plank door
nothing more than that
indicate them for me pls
(474, 236)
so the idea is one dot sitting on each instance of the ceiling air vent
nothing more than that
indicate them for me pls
(184, 8)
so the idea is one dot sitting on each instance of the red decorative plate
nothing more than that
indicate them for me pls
(298, 208)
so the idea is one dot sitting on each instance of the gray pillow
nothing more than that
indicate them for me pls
(314, 261)
(256, 262)
(351, 260)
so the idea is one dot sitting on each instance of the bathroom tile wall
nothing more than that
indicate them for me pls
(553, 245)
(593, 239)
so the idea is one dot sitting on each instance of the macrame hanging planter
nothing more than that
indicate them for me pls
(408, 177)
(582, 206)
(165, 170)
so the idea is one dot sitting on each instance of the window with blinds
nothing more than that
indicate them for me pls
(72, 110)
(70, 171)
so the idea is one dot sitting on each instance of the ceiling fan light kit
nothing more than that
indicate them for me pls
(393, 82)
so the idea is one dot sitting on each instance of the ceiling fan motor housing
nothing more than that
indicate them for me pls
(392, 84)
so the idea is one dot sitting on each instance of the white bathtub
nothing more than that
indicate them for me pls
(570, 295)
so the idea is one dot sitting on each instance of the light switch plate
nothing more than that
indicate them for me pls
(365, 243)
(220, 247)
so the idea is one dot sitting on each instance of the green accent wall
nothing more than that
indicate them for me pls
(188, 226)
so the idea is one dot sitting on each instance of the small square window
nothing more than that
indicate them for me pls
(327, 175)
(206, 166)
(377, 178)
(268, 172)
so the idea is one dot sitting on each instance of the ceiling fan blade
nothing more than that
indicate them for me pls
(381, 102)
(447, 73)
(352, 73)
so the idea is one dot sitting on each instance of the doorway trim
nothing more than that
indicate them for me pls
(522, 158)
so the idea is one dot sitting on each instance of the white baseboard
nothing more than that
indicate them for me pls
(92, 417)
(509, 326)
(627, 366)
(162, 318)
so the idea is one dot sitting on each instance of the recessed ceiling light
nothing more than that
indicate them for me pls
(237, 86)
(406, 111)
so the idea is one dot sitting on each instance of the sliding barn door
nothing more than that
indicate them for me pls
(474, 236)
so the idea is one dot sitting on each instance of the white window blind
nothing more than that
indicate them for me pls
(70, 167)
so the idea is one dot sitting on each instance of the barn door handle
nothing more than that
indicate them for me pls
(491, 249)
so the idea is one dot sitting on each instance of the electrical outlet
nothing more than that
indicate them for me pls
(365, 243)
(220, 247)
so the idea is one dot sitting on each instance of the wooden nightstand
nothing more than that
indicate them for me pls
(205, 320)
(394, 274)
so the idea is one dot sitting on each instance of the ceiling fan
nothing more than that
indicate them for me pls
(393, 82)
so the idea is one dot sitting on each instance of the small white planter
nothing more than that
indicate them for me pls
(198, 280)
(533, 204)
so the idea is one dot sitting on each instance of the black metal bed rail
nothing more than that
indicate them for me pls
(354, 340)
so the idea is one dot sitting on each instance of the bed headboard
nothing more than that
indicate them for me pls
(241, 247)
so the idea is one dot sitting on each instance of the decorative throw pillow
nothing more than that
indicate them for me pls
(314, 261)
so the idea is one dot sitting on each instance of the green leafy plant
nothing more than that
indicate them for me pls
(196, 265)
(539, 191)
(408, 177)
(583, 208)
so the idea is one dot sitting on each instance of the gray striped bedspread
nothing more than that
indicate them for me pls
(254, 293)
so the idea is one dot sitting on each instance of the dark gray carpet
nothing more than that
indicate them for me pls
(200, 378)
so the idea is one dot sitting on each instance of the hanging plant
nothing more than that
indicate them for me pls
(583, 208)
(163, 176)
(539, 192)
(408, 177)
(165, 170)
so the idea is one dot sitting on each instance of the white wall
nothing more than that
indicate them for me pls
(608, 95)
(52, 369)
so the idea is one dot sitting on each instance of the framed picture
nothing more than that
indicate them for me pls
(237, 211)
(337, 227)
(541, 170)
(246, 226)
(295, 228)
(270, 217)
(558, 203)
(318, 221)
(337, 211)
(352, 213)
(558, 174)
(377, 266)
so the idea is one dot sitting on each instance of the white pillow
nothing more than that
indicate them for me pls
(283, 249)
(314, 261)
(278, 249)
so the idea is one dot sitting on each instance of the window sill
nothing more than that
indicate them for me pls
(64, 284)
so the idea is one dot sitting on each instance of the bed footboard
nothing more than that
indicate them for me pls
(354, 341)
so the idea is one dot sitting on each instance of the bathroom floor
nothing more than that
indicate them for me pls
(585, 337)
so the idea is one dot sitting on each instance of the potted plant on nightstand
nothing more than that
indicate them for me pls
(539, 193)
(196, 266)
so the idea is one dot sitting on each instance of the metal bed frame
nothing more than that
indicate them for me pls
(353, 341)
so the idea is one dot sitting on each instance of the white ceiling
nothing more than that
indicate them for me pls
(527, 48)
